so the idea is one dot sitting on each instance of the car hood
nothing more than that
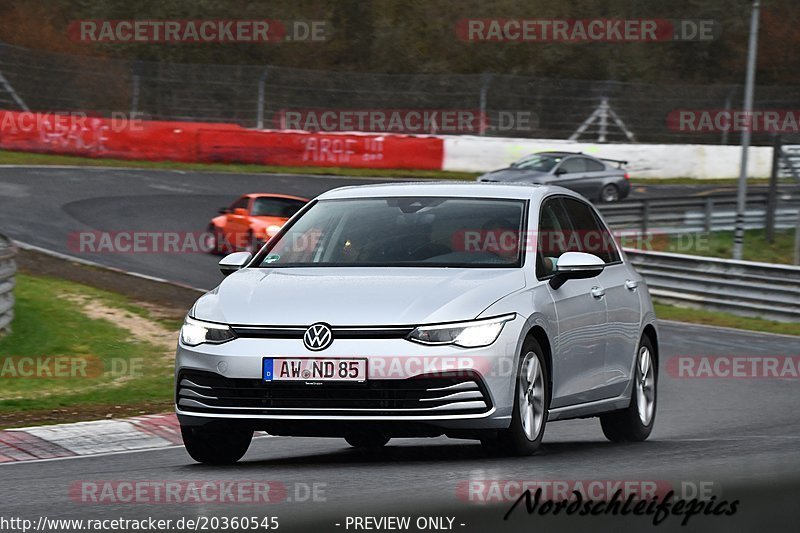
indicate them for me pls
(515, 175)
(350, 296)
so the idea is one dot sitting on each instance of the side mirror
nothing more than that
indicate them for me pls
(560, 171)
(240, 212)
(223, 210)
(576, 265)
(233, 262)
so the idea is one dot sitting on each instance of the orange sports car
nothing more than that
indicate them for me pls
(251, 221)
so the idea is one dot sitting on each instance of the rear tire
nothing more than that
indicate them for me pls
(635, 423)
(609, 194)
(367, 440)
(531, 404)
(218, 446)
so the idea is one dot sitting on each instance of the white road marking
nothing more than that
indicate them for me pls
(101, 436)
(106, 454)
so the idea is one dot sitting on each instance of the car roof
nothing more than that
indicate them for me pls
(273, 195)
(471, 189)
(563, 154)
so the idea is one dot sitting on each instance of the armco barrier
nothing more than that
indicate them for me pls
(8, 268)
(740, 287)
(215, 142)
(206, 142)
(687, 215)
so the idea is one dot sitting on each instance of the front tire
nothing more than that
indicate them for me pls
(635, 423)
(531, 404)
(218, 446)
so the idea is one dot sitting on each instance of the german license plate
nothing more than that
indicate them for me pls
(314, 369)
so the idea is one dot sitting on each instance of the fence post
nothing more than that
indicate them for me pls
(709, 215)
(135, 81)
(772, 194)
(724, 139)
(797, 239)
(8, 268)
(645, 216)
(487, 80)
(262, 80)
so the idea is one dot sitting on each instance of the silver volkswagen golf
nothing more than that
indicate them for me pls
(477, 311)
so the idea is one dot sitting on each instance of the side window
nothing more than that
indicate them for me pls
(594, 166)
(241, 203)
(574, 165)
(554, 226)
(590, 235)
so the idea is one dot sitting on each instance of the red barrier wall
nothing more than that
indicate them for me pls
(208, 142)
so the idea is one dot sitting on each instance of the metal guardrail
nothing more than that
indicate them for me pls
(789, 162)
(743, 288)
(8, 267)
(700, 214)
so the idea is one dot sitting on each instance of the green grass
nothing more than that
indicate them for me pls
(29, 158)
(48, 324)
(720, 244)
(714, 318)
(686, 180)
(756, 247)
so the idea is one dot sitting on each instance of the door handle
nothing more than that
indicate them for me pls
(631, 284)
(598, 292)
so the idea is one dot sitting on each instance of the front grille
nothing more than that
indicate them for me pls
(339, 332)
(440, 394)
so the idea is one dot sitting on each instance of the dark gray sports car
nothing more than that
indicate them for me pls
(596, 179)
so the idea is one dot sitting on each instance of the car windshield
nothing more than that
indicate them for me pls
(402, 231)
(543, 163)
(266, 206)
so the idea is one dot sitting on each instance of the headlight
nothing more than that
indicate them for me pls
(196, 332)
(472, 334)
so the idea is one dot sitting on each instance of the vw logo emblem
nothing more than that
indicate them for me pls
(318, 337)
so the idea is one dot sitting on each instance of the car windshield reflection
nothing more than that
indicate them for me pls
(407, 231)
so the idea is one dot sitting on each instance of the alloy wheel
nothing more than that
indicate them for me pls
(531, 396)
(645, 385)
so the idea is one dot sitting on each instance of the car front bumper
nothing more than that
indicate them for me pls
(409, 385)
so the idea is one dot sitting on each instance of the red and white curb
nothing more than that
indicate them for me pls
(89, 438)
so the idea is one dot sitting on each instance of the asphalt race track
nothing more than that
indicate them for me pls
(737, 437)
(45, 206)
